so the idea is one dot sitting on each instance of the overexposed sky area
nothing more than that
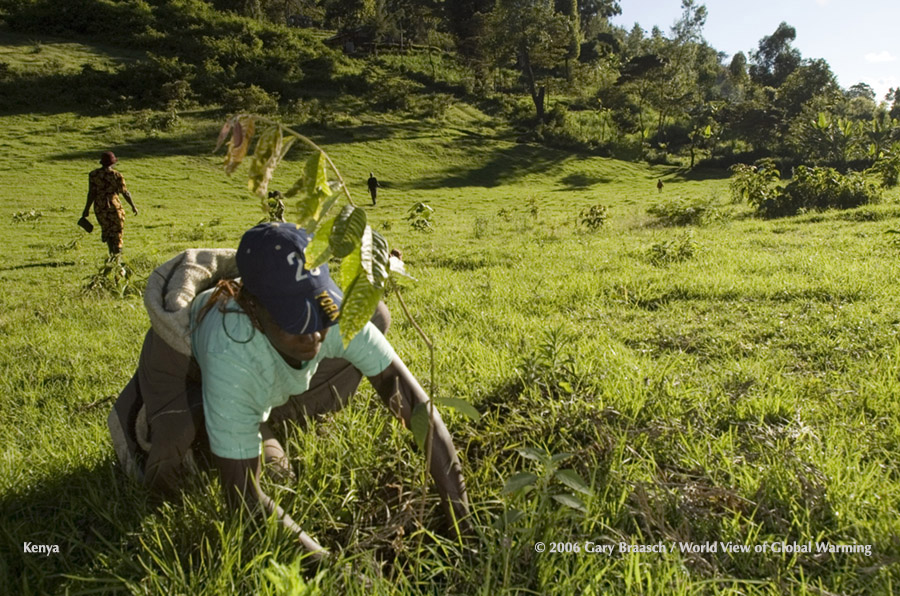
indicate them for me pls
(860, 39)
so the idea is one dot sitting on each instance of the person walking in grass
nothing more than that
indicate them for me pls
(104, 186)
(373, 186)
(264, 349)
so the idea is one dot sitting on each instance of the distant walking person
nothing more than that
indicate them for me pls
(105, 185)
(373, 186)
(659, 185)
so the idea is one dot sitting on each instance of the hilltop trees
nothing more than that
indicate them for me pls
(557, 69)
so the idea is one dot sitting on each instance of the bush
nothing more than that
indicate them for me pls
(809, 189)
(675, 250)
(250, 99)
(887, 167)
(390, 92)
(819, 189)
(594, 217)
(152, 122)
(685, 212)
(433, 106)
(755, 183)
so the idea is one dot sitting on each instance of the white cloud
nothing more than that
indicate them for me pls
(880, 57)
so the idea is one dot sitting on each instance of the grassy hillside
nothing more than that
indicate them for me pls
(736, 381)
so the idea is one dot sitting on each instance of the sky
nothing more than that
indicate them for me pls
(860, 39)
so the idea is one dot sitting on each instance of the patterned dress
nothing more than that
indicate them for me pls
(104, 189)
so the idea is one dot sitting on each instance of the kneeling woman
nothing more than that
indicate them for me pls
(265, 348)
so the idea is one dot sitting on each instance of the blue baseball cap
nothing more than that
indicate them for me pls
(272, 266)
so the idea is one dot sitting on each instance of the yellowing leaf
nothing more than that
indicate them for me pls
(242, 134)
(350, 268)
(265, 160)
(223, 134)
(318, 251)
(315, 180)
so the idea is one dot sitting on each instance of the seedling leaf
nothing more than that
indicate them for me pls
(518, 482)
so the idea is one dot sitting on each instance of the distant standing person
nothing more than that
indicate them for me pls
(373, 186)
(105, 185)
(659, 185)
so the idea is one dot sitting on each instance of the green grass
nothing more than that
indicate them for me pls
(749, 393)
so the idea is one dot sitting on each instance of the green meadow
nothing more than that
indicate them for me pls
(732, 380)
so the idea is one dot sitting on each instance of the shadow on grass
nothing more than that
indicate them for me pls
(364, 133)
(697, 174)
(198, 142)
(55, 93)
(87, 514)
(39, 265)
(583, 181)
(496, 168)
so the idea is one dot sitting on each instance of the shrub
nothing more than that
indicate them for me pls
(594, 217)
(674, 250)
(433, 106)
(482, 227)
(250, 99)
(419, 217)
(152, 122)
(887, 167)
(685, 212)
(755, 183)
(809, 189)
(391, 92)
(819, 189)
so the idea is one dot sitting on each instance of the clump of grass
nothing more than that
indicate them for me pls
(31, 215)
(674, 250)
(115, 277)
(481, 227)
(685, 211)
(201, 232)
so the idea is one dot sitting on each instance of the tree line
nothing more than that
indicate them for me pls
(660, 92)
(585, 82)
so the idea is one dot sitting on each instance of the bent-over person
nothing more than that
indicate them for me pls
(253, 351)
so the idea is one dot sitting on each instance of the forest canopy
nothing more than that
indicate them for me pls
(557, 70)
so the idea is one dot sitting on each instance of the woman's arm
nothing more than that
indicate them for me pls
(87, 206)
(240, 481)
(401, 393)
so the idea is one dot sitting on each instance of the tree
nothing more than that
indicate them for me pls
(465, 20)
(569, 9)
(810, 79)
(533, 32)
(861, 90)
(678, 89)
(342, 14)
(893, 96)
(589, 9)
(734, 86)
(775, 58)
